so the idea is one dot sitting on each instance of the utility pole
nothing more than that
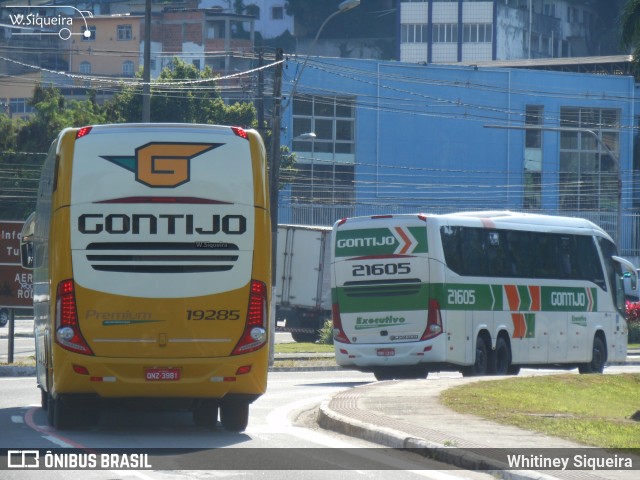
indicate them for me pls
(146, 69)
(274, 181)
(274, 168)
(260, 100)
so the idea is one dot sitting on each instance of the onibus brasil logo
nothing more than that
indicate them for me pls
(47, 20)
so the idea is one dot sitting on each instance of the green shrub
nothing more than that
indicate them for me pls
(326, 333)
(633, 320)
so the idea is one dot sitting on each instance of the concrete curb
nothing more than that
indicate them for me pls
(17, 371)
(29, 371)
(330, 419)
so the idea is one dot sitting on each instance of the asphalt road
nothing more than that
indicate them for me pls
(282, 441)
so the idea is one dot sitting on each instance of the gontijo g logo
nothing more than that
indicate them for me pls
(162, 164)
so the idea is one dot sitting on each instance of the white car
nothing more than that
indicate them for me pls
(4, 316)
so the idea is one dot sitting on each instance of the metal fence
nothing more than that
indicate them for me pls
(327, 215)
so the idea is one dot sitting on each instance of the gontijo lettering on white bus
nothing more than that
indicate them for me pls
(568, 299)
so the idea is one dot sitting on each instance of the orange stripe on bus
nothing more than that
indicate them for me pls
(519, 325)
(534, 291)
(513, 297)
(407, 242)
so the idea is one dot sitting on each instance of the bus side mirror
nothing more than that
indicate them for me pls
(26, 255)
(26, 242)
(630, 271)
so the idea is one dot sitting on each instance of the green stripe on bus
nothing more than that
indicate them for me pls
(462, 296)
(381, 241)
(367, 299)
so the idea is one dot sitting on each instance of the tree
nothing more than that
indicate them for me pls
(181, 94)
(52, 114)
(8, 133)
(630, 29)
(604, 38)
(18, 173)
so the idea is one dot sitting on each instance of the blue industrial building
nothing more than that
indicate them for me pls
(400, 137)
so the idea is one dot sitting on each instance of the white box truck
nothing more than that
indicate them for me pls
(303, 283)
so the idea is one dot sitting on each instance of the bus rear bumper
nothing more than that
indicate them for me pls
(399, 354)
(186, 378)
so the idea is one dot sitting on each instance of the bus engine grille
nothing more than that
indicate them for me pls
(162, 257)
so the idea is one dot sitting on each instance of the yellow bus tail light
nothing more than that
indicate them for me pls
(255, 331)
(68, 334)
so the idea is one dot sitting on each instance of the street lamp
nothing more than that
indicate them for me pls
(599, 140)
(343, 7)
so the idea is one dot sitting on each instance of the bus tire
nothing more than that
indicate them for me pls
(598, 358)
(59, 414)
(481, 365)
(513, 370)
(305, 337)
(44, 399)
(412, 373)
(502, 357)
(206, 415)
(234, 416)
(383, 373)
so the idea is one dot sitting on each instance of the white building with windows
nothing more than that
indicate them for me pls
(449, 31)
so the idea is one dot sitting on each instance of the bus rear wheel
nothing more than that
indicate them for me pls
(412, 372)
(65, 414)
(234, 416)
(598, 358)
(205, 414)
(501, 357)
(59, 414)
(481, 365)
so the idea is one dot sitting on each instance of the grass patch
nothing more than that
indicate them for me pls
(314, 362)
(589, 409)
(295, 347)
(29, 361)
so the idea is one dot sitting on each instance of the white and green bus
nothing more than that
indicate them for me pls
(482, 292)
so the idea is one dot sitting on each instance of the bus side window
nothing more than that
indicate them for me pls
(567, 259)
(614, 271)
(451, 248)
(496, 254)
(588, 264)
(519, 253)
(545, 263)
(473, 252)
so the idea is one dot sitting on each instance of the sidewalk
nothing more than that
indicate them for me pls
(407, 414)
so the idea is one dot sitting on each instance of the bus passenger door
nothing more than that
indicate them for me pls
(531, 335)
(557, 328)
(530, 324)
(459, 328)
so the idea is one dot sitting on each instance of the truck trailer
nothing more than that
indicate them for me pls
(303, 283)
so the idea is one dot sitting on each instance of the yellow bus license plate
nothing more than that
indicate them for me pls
(162, 374)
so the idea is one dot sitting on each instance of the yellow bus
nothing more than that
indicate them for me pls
(151, 252)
